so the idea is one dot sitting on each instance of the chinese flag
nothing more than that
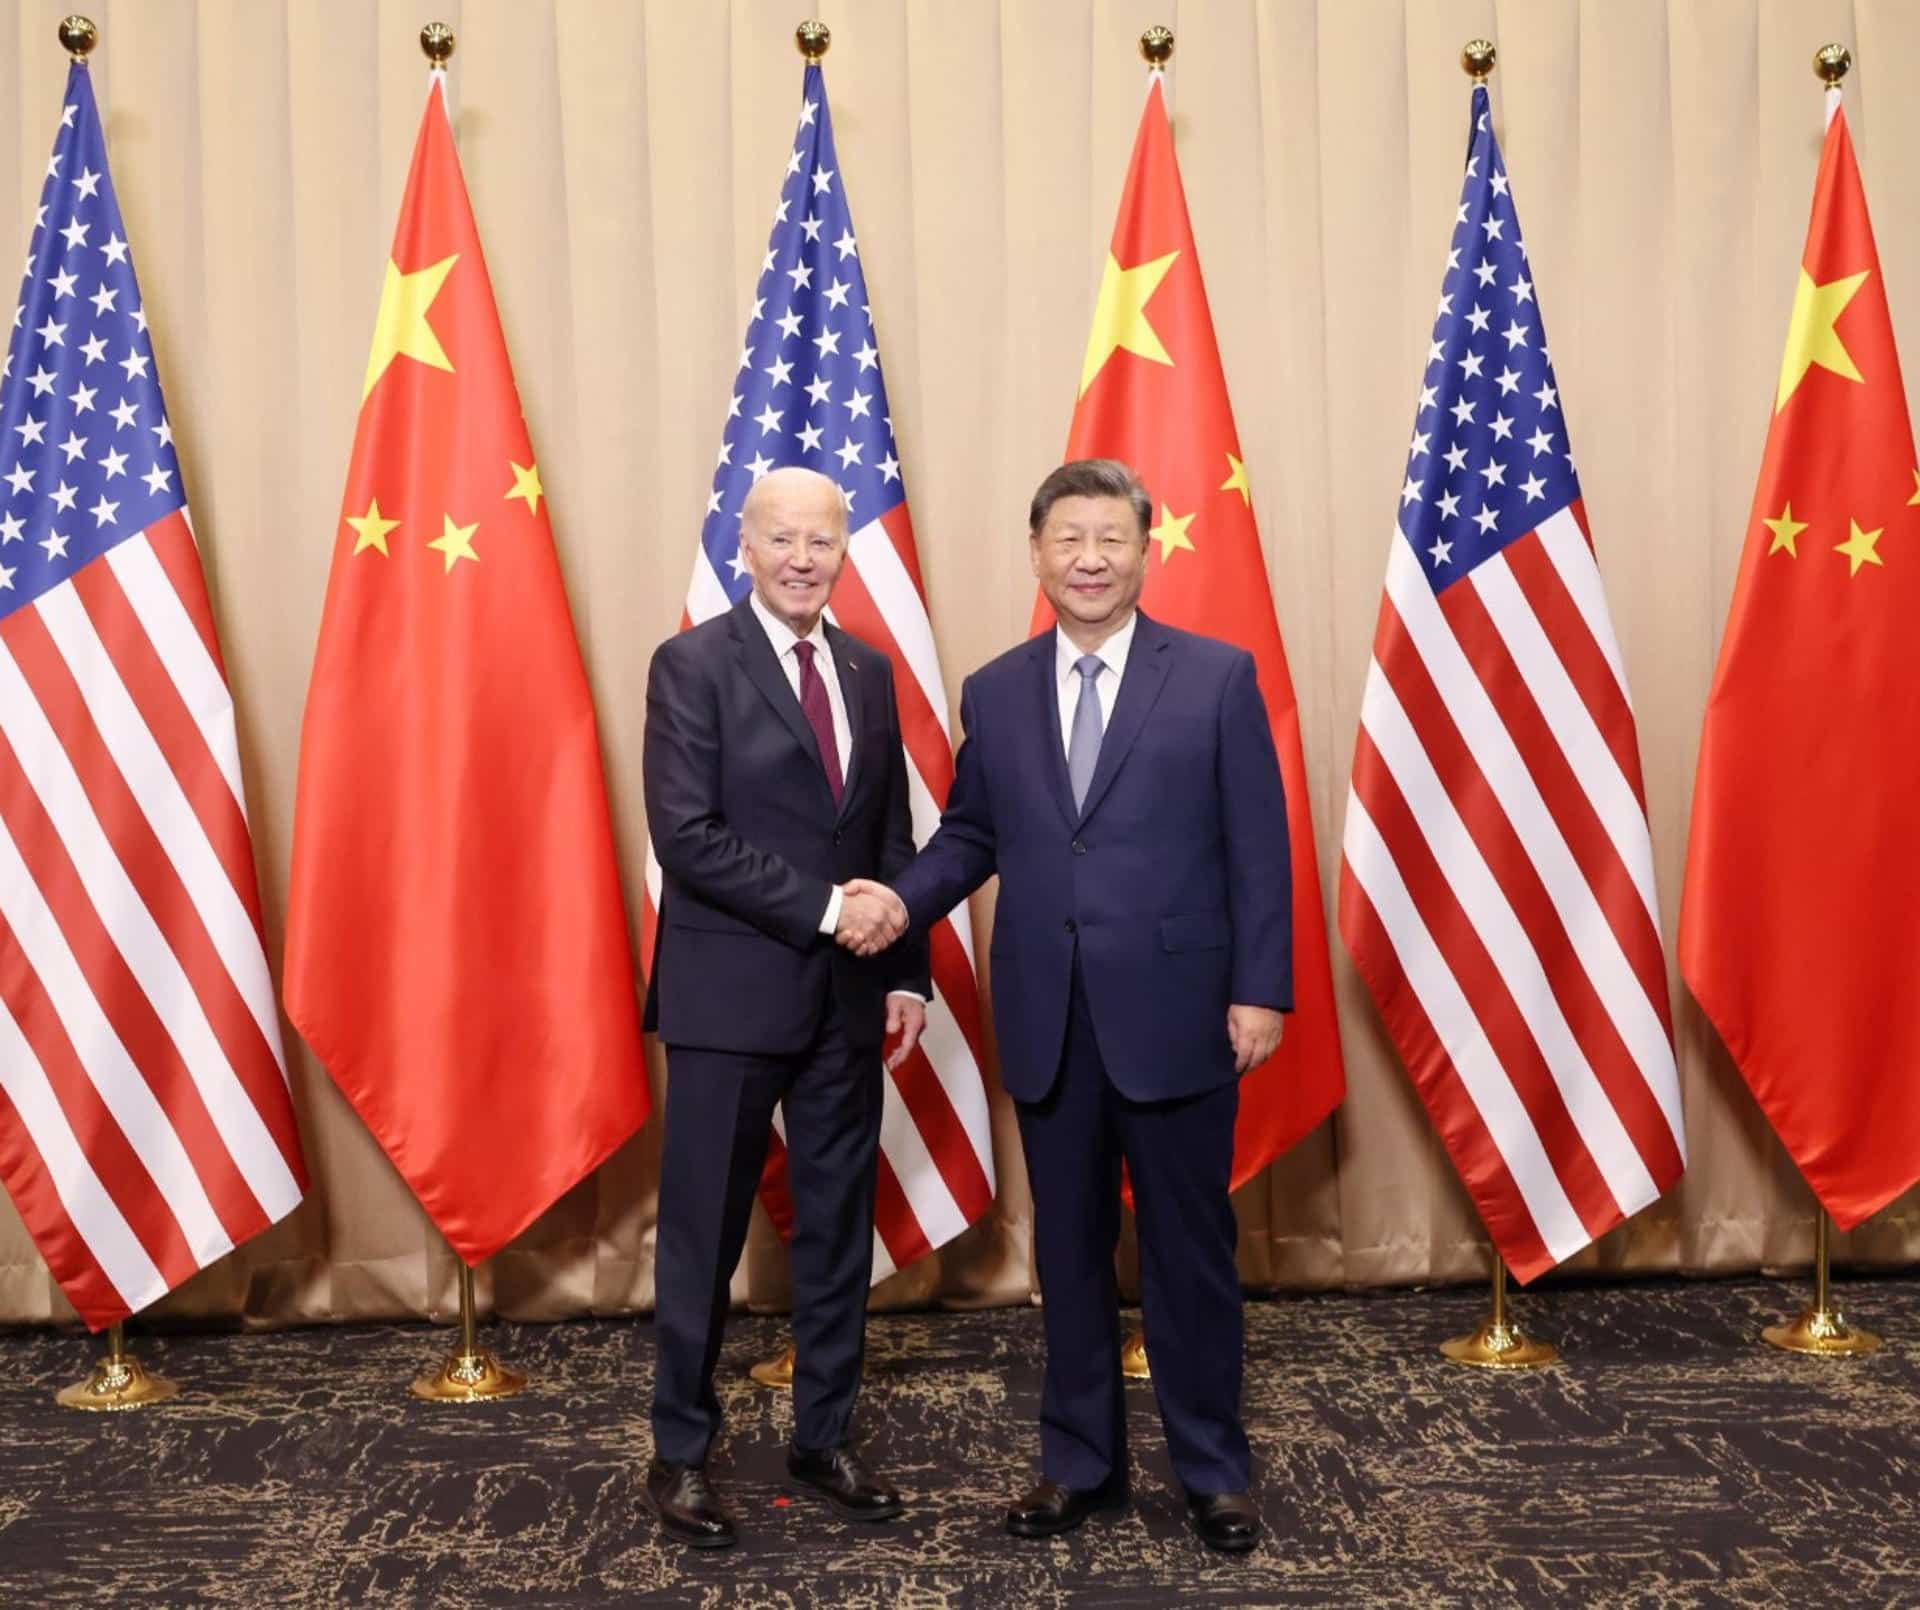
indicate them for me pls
(457, 950)
(1800, 921)
(1153, 395)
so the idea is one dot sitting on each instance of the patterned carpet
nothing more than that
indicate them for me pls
(1670, 1461)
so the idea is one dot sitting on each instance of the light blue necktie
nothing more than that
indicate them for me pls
(1083, 748)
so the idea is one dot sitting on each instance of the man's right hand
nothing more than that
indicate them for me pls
(871, 917)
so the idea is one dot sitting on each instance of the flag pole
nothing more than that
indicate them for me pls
(1822, 1331)
(1499, 1344)
(470, 1373)
(117, 1381)
(1156, 50)
(812, 39)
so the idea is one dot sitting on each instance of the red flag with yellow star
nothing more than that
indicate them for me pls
(1800, 920)
(457, 948)
(1153, 395)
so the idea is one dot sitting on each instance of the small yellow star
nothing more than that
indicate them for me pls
(526, 485)
(456, 541)
(1171, 533)
(1916, 489)
(400, 328)
(373, 530)
(1236, 480)
(1859, 547)
(1811, 337)
(1784, 530)
(1120, 315)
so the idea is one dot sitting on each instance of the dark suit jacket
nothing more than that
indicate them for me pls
(750, 844)
(1173, 881)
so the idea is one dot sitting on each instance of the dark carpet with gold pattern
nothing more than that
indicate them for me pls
(1668, 1460)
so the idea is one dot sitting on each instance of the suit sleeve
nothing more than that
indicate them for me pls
(1253, 805)
(962, 853)
(680, 760)
(906, 963)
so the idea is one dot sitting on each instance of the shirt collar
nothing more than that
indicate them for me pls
(783, 637)
(1112, 653)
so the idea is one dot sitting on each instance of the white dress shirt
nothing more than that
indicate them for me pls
(1106, 681)
(783, 638)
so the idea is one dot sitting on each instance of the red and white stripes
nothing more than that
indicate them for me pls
(147, 1126)
(1497, 891)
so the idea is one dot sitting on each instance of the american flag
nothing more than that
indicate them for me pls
(1497, 889)
(808, 391)
(145, 1122)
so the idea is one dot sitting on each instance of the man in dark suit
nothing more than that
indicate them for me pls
(774, 774)
(1121, 779)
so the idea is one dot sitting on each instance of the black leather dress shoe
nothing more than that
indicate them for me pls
(680, 1496)
(1225, 1521)
(1050, 1509)
(847, 1484)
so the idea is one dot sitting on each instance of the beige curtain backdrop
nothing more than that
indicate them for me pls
(623, 160)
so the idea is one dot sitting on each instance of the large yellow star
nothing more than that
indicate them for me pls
(1120, 315)
(400, 329)
(1811, 337)
(1859, 547)
(373, 530)
(1236, 480)
(526, 485)
(1784, 530)
(1171, 533)
(455, 541)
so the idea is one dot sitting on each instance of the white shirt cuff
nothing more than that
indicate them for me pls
(830, 919)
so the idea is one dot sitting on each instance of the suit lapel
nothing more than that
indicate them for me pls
(1047, 708)
(762, 666)
(1146, 675)
(850, 665)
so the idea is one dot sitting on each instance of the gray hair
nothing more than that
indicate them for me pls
(1090, 478)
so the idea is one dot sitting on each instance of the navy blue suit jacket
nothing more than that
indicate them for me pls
(1173, 880)
(750, 843)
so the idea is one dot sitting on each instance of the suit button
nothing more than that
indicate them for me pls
(1072, 926)
(836, 835)
(1079, 847)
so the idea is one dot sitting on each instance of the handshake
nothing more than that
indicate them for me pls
(872, 917)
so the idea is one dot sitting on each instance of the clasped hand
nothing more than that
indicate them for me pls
(872, 917)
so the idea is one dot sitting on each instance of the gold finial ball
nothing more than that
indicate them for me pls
(1156, 46)
(1830, 64)
(811, 39)
(436, 43)
(78, 36)
(1477, 57)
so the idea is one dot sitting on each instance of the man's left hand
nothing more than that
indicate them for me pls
(906, 1017)
(1255, 1034)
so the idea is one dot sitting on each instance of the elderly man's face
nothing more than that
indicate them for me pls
(793, 539)
(1091, 560)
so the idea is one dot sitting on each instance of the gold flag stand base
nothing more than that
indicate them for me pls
(470, 1374)
(1821, 1331)
(1499, 1344)
(776, 1372)
(117, 1382)
(1133, 1357)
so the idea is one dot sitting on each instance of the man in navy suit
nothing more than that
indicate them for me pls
(774, 775)
(1121, 779)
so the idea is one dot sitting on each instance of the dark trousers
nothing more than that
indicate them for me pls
(719, 1114)
(1179, 1157)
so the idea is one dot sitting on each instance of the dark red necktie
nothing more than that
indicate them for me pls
(819, 714)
